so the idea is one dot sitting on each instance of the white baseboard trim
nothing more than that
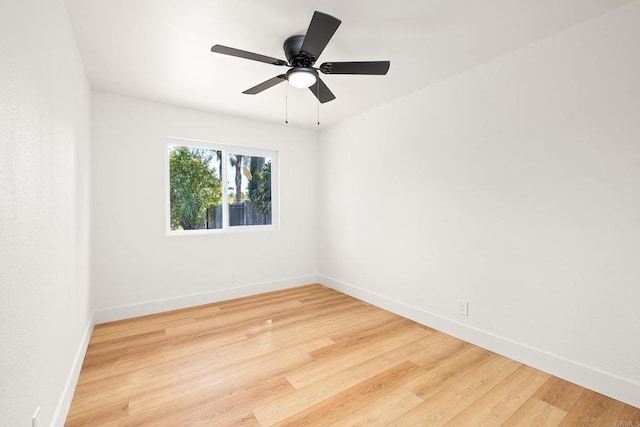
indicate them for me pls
(158, 306)
(589, 377)
(62, 408)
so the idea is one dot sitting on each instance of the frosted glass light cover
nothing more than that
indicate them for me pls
(301, 78)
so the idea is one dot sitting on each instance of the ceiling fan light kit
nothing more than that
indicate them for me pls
(302, 77)
(302, 52)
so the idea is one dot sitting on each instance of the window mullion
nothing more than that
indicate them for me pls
(225, 190)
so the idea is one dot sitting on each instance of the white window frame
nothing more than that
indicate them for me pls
(226, 149)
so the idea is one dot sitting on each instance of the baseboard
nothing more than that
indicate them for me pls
(158, 306)
(62, 408)
(586, 376)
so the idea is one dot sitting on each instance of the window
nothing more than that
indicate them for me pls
(252, 175)
(215, 188)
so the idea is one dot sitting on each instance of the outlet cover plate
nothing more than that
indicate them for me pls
(463, 308)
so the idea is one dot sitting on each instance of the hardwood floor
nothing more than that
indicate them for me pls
(313, 356)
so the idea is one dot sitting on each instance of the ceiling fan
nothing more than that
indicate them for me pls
(302, 52)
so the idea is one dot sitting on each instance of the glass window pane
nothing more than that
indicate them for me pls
(195, 188)
(249, 190)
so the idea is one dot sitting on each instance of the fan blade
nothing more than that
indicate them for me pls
(323, 94)
(247, 55)
(265, 85)
(320, 31)
(376, 68)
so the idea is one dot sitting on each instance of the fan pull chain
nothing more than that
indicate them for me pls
(286, 103)
(318, 92)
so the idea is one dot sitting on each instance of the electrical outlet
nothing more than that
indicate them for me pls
(463, 308)
(35, 420)
(234, 277)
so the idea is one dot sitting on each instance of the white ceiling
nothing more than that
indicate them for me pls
(160, 49)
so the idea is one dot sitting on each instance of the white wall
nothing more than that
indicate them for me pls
(44, 212)
(136, 268)
(514, 186)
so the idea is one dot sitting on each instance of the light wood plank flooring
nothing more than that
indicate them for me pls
(313, 356)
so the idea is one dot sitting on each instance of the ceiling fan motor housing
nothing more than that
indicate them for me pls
(293, 51)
